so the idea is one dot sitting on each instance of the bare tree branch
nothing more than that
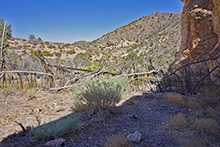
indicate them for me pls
(194, 63)
(31, 72)
(135, 74)
(203, 78)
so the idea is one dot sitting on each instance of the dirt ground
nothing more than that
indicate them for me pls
(146, 113)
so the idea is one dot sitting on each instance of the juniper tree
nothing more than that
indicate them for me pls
(31, 37)
(7, 34)
(4, 40)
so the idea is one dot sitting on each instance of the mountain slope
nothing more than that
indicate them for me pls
(151, 42)
(155, 37)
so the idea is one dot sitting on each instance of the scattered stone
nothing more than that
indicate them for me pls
(55, 143)
(135, 137)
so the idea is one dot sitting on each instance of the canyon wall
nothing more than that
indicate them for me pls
(200, 22)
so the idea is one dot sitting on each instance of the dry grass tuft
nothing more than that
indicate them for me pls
(209, 126)
(176, 98)
(197, 142)
(194, 104)
(118, 141)
(178, 122)
(210, 97)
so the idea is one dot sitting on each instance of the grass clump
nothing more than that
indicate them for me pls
(98, 95)
(178, 122)
(118, 141)
(176, 98)
(60, 128)
(5, 87)
(207, 125)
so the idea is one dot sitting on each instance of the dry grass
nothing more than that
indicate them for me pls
(118, 141)
(178, 122)
(210, 97)
(176, 98)
(197, 142)
(194, 104)
(208, 125)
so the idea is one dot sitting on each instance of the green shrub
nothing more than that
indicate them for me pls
(72, 51)
(82, 57)
(11, 47)
(46, 53)
(60, 128)
(97, 95)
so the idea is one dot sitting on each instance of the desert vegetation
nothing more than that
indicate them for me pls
(98, 93)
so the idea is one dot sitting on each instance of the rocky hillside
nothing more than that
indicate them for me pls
(155, 37)
(151, 41)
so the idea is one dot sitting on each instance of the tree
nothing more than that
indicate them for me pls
(39, 39)
(5, 34)
(31, 37)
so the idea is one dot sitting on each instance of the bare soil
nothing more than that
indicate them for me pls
(146, 113)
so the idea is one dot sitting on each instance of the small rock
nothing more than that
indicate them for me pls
(56, 142)
(135, 137)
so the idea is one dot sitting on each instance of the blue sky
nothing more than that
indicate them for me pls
(74, 20)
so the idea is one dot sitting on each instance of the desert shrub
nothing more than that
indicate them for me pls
(46, 53)
(60, 128)
(179, 121)
(47, 43)
(210, 96)
(175, 98)
(72, 51)
(11, 47)
(82, 59)
(207, 125)
(97, 95)
(31, 92)
(89, 55)
(118, 141)
(5, 87)
(58, 54)
(43, 45)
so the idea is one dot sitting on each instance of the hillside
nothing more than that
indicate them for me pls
(155, 37)
(152, 41)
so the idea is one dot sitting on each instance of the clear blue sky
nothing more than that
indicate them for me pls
(74, 20)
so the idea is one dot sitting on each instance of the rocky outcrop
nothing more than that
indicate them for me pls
(200, 23)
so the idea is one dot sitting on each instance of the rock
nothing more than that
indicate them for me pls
(135, 137)
(200, 23)
(55, 143)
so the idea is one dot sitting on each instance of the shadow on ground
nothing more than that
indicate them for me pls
(144, 113)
